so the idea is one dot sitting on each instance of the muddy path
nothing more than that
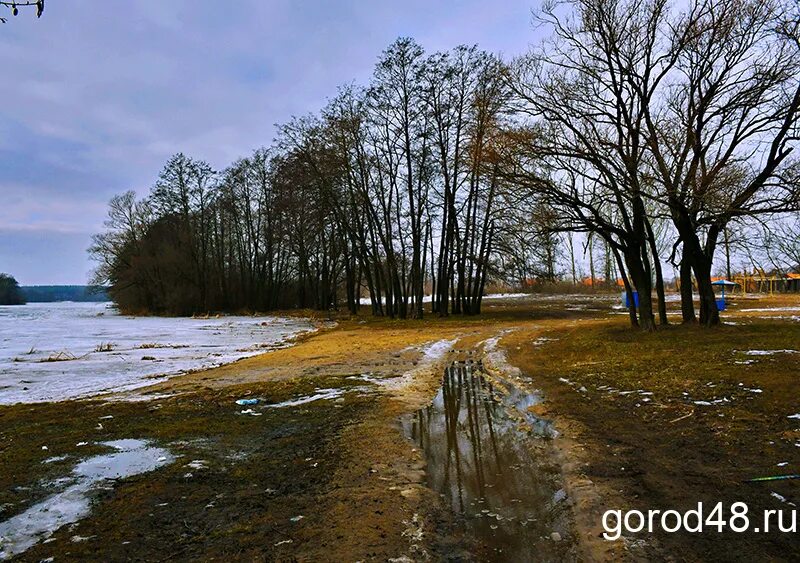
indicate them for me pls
(321, 465)
(497, 438)
(494, 472)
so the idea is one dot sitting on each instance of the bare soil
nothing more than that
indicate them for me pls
(337, 480)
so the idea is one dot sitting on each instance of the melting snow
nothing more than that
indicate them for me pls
(431, 354)
(317, 396)
(769, 352)
(41, 520)
(34, 337)
(771, 309)
(781, 498)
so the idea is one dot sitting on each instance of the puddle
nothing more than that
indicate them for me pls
(495, 476)
(41, 520)
(520, 402)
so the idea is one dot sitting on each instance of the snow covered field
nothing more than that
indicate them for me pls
(56, 351)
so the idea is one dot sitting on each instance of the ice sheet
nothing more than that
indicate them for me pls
(142, 351)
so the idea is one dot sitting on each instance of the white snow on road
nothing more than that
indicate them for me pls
(319, 395)
(772, 309)
(432, 353)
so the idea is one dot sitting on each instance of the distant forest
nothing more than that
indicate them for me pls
(52, 293)
(651, 130)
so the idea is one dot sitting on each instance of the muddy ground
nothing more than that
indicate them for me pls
(344, 478)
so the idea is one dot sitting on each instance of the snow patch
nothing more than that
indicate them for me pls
(40, 521)
(781, 498)
(432, 353)
(769, 352)
(771, 309)
(319, 394)
(49, 351)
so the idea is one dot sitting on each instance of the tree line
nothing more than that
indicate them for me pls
(639, 126)
(638, 113)
(391, 192)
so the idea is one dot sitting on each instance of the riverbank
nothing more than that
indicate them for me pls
(321, 466)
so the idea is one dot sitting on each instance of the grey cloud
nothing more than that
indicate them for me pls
(96, 95)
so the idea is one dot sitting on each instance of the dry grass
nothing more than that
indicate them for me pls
(682, 415)
(62, 356)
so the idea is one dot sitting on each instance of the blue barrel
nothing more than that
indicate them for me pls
(625, 299)
(720, 304)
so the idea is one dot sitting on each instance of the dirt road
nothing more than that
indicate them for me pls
(363, 445)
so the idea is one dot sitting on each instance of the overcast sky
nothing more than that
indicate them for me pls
(97, 95)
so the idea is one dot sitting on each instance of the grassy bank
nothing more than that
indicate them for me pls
(669, 419)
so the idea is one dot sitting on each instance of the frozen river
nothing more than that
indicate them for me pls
(56, 351)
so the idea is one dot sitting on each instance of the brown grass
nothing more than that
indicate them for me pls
(629, 400)
(62, 356)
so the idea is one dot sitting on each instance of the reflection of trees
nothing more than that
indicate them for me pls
(451, 393)
(476, 459)
(489, 406)
(473, 427)
(469, 396)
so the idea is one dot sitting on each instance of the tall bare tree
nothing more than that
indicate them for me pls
(724, 124)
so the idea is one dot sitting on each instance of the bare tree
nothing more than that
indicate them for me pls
(724, 124)
(583, 139)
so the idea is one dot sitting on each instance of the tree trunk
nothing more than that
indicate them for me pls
(687, 298)
(643, 284)
(628, 289)
(662, 301)
(709, 314)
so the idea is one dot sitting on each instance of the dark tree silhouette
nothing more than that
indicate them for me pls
(10, 293)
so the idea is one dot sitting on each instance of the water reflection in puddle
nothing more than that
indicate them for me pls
(129, 458)
(483, 461)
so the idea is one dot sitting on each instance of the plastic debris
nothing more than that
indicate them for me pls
(247, 401)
